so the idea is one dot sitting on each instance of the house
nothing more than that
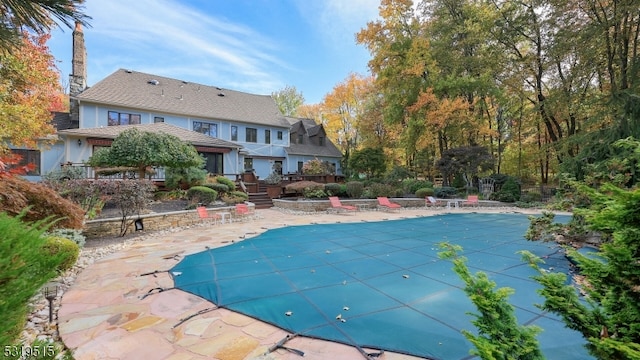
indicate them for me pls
(236, 132)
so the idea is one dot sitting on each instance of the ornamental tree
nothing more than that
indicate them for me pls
(142, 150)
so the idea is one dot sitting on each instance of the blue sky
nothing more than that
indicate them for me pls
(256, 46)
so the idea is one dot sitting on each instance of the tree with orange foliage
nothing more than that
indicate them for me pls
(29, 91)
(341, 110)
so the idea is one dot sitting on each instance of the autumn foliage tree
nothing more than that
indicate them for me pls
(29, 92)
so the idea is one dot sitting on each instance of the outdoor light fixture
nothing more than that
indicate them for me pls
(79, 142)
(50, 292)
(139, 225)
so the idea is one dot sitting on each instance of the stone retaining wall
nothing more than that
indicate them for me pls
(151, 222)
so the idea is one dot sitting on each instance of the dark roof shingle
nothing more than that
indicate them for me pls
(136, 90)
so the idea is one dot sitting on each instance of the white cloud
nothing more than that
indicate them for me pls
(168, 38)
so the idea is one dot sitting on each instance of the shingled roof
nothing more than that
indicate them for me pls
(192, 137)
(308, 148)
(132, 89)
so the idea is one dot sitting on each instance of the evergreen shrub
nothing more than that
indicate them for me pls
(355, 189)
(424, 192)
(202, 195)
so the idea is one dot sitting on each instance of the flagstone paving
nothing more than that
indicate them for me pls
(105, 314)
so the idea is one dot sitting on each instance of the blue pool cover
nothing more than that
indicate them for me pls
(380, 285)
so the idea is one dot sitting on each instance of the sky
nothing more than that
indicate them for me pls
(254, 46)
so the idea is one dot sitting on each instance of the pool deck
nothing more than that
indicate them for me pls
(103, 316)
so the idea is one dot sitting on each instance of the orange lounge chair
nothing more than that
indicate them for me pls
(384, 203)
(472, 200)
(336, 205)
(205, 216)
(242, 211)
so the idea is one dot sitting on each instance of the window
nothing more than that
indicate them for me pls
(206, 128)
(300, 138)
(116, 118)
(252, 135)
(248, 164)
(279, 135)
(278, 166)
(29, 157)
(267, 136)
(300, 164)
(234, 133)
(213, 163)
(321, 140)
(158, 119)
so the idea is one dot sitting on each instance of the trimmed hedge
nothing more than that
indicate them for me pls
(202, 194)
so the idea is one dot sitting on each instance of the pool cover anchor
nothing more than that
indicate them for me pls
(203, 311)
(280, 345)
(155, 290)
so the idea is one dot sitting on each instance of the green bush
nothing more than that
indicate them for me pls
(332, 189)
(445, 192)
(226, 181)
(202, 195)
(343, 190)
(424, 192)
(355, 189)
(314, 193)
(66, 249)
(234, 197)
(375, 190)
(74, 235)
(219, 188)
(410, 186)
(24, 268)
(184, 177)
(510, 192)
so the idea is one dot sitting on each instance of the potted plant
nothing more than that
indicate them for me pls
(273, 180)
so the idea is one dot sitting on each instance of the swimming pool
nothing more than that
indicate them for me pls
(380, 285)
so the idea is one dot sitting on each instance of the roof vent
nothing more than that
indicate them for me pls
(221, 94)
(153, 82)
(128, 71)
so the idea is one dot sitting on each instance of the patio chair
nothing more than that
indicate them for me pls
(472, 200)
(337, 206)
(384, 203)
(430, 201)
(205, 216)
(242, 211)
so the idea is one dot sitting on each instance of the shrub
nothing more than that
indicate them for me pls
(170, 195)
(89, 194)
(64, 248)
(445, 192)
(299, 187)
(16, 194)
(375, 190)
(226, 181)
(510, 192)
(184, 177)
(355, 189)
(74, 235)
(234, 197)
(424, 192)
(332, 189)
(24, 268)
(410, 186)
(219, 188)
(63, 174)
(130, 197)
(314, 193)
(202, 195)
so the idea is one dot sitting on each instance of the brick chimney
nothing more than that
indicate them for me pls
(78, 77)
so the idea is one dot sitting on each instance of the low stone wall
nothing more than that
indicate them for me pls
(151, 222)
(305, 205)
